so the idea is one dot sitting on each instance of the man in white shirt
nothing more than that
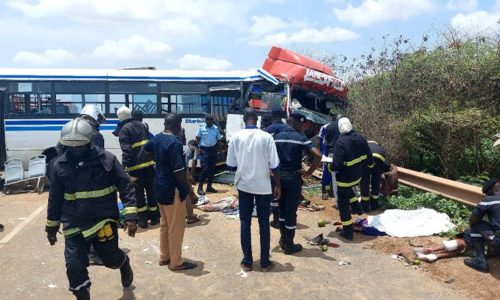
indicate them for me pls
(252, 153)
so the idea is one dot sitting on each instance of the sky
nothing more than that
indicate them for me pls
(217, 34)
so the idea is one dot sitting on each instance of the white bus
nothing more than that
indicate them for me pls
(36, 103)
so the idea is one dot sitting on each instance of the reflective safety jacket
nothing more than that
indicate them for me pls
(83, 194)
(379, 158)
(351, 155)
(133, 134)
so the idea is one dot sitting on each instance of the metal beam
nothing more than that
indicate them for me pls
(464, 193)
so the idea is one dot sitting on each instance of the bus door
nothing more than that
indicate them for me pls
(221, 98)
(2, 127)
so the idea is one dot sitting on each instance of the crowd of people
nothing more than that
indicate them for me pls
(155, 185)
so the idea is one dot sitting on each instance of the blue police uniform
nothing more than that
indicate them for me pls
(276, 127)
(209, 136)
(372, 176)
(290, 145)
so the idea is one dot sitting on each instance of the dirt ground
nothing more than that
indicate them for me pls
(451, 271)
(32, 269)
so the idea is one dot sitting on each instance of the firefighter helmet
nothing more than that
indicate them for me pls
(76, 133)
(94, 112)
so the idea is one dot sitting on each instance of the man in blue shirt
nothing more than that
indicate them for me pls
(207, 136)
(172, 190)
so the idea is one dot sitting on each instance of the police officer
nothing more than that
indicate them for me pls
(351, 154)
(277, 124)
(482, 232)
(83, 198)
(133, 134)
(207, 136)
(372, 176)
(290, 144)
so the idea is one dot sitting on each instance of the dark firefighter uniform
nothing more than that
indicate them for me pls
(290, 145)
(351, 155)
(133, 134)
(83, 199)
(372, 176)
(485, 232)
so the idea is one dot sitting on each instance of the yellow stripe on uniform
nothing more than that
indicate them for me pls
(346, 223)
(130, 210)
(365, 198)
(348, 184)
(96, 227)
(371, 166)
(379, 156)
(53, 223)
(355, 161)
(71, 231)
(143, 165)
(353, 199)
(141, 209)
(375, 196)
(89, 194)
(138, 144)
(153, 208)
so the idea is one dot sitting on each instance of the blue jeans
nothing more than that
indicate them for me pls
(263, 203)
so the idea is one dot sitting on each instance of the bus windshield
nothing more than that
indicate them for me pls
(267, 97)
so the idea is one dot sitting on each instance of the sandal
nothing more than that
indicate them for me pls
(185, 266)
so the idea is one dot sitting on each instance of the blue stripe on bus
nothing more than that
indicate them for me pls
(50, 128)
(49, 122)
(129, 77)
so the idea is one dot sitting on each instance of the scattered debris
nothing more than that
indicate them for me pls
(185, 247)
(343, 263)
(52, 286)
(147, 262)
(451, 280)
(321, 222)
(243, 274)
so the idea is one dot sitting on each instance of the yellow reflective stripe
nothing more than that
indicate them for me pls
(138, 144)
(375, 196)
(143, 165)
(130, 210)
(379, 156)
(141, 209)
(355, 161)
(365, 198)
(348, 184)
(353, 199)
(346, 223)
(71, 231)
(96, 227)
(53, 223)
(153, 208)
(89, 194)
(371, 166)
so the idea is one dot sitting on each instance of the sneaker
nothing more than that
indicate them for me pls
(200, 192)
(202, 200)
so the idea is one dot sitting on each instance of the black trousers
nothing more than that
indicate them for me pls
(290, 200)
(76, 251)
(347, 201)
(147, 206)
(208, 160)
(370, 177)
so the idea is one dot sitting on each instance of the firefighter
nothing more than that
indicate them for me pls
(482, 232)
(133, 134)
(290, 144)
(372, 176)
(83, 198)
(351, 154)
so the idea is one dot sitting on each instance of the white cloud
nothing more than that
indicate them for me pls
(462, 5)
(197, 62)
(49, 57)
(479, 22)
(307, 35)
(134, 46)
(375, 11)
(267, 24)
(179, 28)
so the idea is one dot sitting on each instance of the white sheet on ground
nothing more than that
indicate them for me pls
(411, 223)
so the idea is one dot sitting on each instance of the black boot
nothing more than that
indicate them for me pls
(210, 188)
(347, 232)
(82, 294)
(365, 204)
(200, 189)
(478, 261)
(283, 237)
(154, 216)
(290, 247)
(275, 223)
(126, 273)
(374, 204)
(143, 219)
(356, 208)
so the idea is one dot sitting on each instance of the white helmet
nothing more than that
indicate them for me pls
(94, 112)
(124, 113)
(76, 133)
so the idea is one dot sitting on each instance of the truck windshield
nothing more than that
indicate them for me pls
(267, 97)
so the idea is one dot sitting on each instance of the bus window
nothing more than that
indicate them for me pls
(116, 101)
(145, 103)
(98, 99)
(188, 104)
(69, 103)
(266, 97)
(30, 103)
